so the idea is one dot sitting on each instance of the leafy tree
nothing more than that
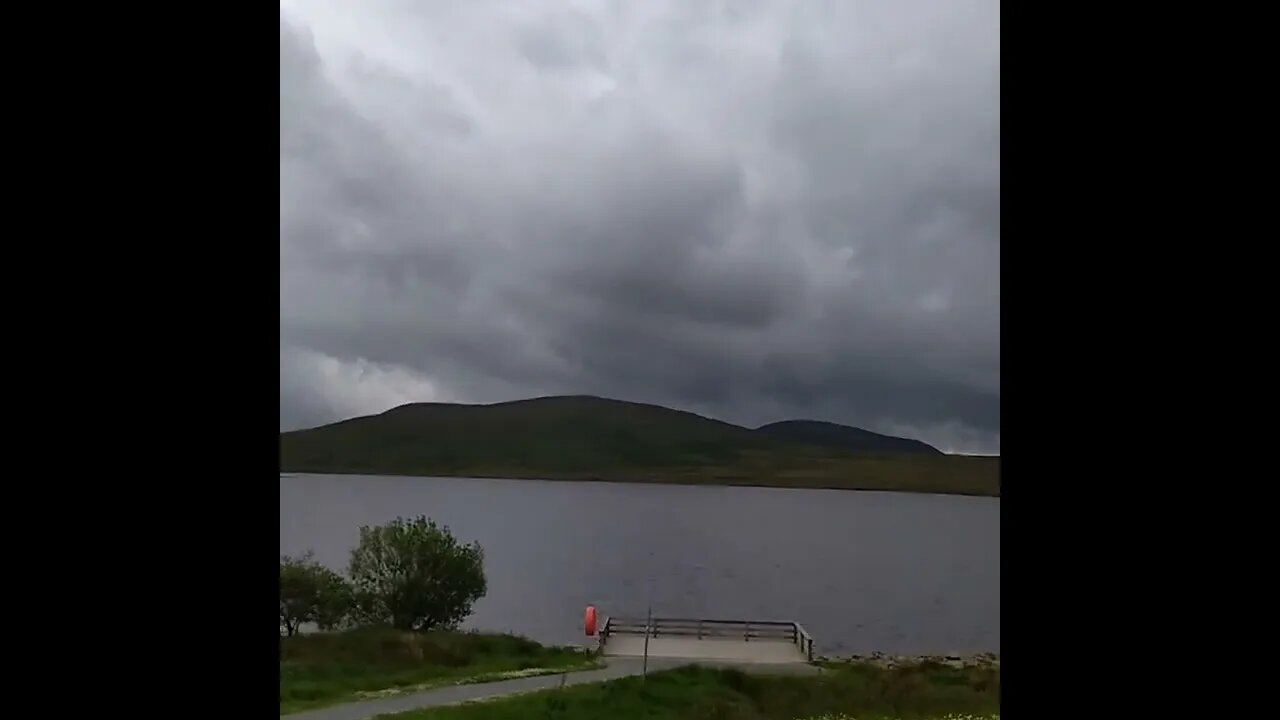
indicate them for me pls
(414, 575)
(311, 592)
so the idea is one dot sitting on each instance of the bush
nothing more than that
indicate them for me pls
(414, 575)
(311, 592)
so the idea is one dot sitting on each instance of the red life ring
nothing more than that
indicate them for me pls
(591, 620)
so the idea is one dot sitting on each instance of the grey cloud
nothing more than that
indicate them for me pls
(562, 39)
(753, 210)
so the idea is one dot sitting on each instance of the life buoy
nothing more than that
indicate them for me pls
(591, 620)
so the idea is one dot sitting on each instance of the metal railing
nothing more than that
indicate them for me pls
(703, 629)
(805, 641)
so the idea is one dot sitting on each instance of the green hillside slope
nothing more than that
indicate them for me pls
(595, 438)
(843, 437)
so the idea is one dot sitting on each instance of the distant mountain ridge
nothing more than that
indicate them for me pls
(588, 437)
(844, 437)
(809, 432)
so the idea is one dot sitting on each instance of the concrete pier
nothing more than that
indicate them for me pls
(733, 641)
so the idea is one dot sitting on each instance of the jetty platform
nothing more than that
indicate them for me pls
(693, 639)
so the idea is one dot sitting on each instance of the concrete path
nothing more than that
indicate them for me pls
(452, 694)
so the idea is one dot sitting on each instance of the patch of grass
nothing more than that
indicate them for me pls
(694, 693)
(327, 668)
(949, 716)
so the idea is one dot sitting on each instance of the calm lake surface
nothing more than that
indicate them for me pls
(862, 571)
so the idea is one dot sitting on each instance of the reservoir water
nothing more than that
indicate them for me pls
(862, 571)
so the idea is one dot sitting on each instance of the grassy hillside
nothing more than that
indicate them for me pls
(843, 437)
(329, 668)
(596, 438)
(844, 691)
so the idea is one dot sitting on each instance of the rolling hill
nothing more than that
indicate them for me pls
(843, 437)
(583, 437)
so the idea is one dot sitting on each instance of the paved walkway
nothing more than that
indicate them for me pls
(452, 694)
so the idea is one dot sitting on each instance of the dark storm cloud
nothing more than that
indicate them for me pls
(753, 210)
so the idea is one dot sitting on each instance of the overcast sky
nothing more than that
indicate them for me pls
(755, 210)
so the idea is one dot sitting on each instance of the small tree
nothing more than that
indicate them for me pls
(311, 592)
(413, 575)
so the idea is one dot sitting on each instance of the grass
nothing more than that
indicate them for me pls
(948, 716)
(327, 668)
(845, 690)
(573, 438)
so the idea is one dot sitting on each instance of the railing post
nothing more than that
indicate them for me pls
(746, 634)
(644, 669)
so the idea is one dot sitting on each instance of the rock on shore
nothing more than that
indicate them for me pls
(892, 661)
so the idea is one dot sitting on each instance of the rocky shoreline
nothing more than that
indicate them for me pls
(891, 661)
(877, 659)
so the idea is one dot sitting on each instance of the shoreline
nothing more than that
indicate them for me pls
(716, 482)
(882, 660)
